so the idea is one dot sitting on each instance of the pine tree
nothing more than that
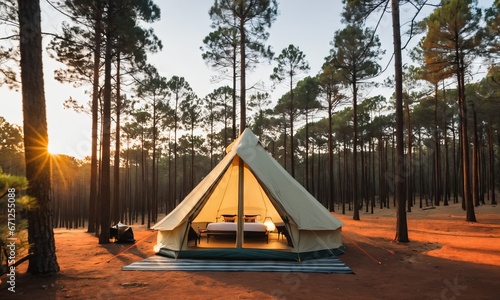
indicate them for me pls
(355, 53)
(250, 18)
(40, 232)
(291, 62)
(452, 39)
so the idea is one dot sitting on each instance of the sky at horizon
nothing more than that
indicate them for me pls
(309, 25)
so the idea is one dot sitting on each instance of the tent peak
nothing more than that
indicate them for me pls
(244, 140)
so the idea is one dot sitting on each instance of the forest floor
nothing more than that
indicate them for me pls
(447, 258)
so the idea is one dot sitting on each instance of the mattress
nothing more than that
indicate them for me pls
(228, 226)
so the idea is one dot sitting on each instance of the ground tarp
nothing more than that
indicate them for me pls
(330, 265)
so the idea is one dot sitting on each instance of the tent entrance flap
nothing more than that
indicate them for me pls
(223, 199)
(193, 217)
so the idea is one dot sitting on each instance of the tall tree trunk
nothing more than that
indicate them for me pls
(185, 177)
(394, 166)
(364, 175)
(116, 175)
(382, 172)
(225, 118)
(284, 143)
(492, 164)
(409, 167)
(372, 183)
(292, 144)
(153, 167)
(319, 190)
(420, 169)
(128, 183)
(243, 89)
(455, 165)
(437, 156)
(312, 176)
(137, 190)
(446, 197)
(174, 183)
(36, 140)
(467, 194)
(99, 175)
(147, 198)
(363, 189)
(307, 147)
(401, 223)
(192, 154)
(170, 178)
(106, 134)
(355, 151)
(233, 91)
(341, 186)
(241, 166)
(211, 141)
(95, 108)
(143, 197)
(330, 154)
(482, 167)
(475, 159)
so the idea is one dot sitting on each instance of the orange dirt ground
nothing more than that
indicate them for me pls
(447, 258)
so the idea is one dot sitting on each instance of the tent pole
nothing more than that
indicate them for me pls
(239, 229)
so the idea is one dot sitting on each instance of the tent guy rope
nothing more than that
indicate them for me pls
(357, 246)
(132, 246)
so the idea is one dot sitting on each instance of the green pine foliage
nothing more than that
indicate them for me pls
(13, 223)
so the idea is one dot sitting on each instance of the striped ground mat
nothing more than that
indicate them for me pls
(161, 263)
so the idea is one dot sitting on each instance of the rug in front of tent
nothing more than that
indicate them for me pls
(331, 265)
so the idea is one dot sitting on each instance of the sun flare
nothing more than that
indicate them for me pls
(52, 148)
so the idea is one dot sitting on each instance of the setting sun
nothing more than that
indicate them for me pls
(52, 148)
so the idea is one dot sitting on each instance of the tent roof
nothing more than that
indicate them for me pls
(283, 190)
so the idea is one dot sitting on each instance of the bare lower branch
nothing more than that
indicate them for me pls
(9, 37)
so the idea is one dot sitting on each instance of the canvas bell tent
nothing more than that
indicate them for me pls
(266, 194)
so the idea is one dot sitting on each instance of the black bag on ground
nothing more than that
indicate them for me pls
(121, 233)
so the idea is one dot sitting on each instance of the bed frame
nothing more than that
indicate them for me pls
(232, 233)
